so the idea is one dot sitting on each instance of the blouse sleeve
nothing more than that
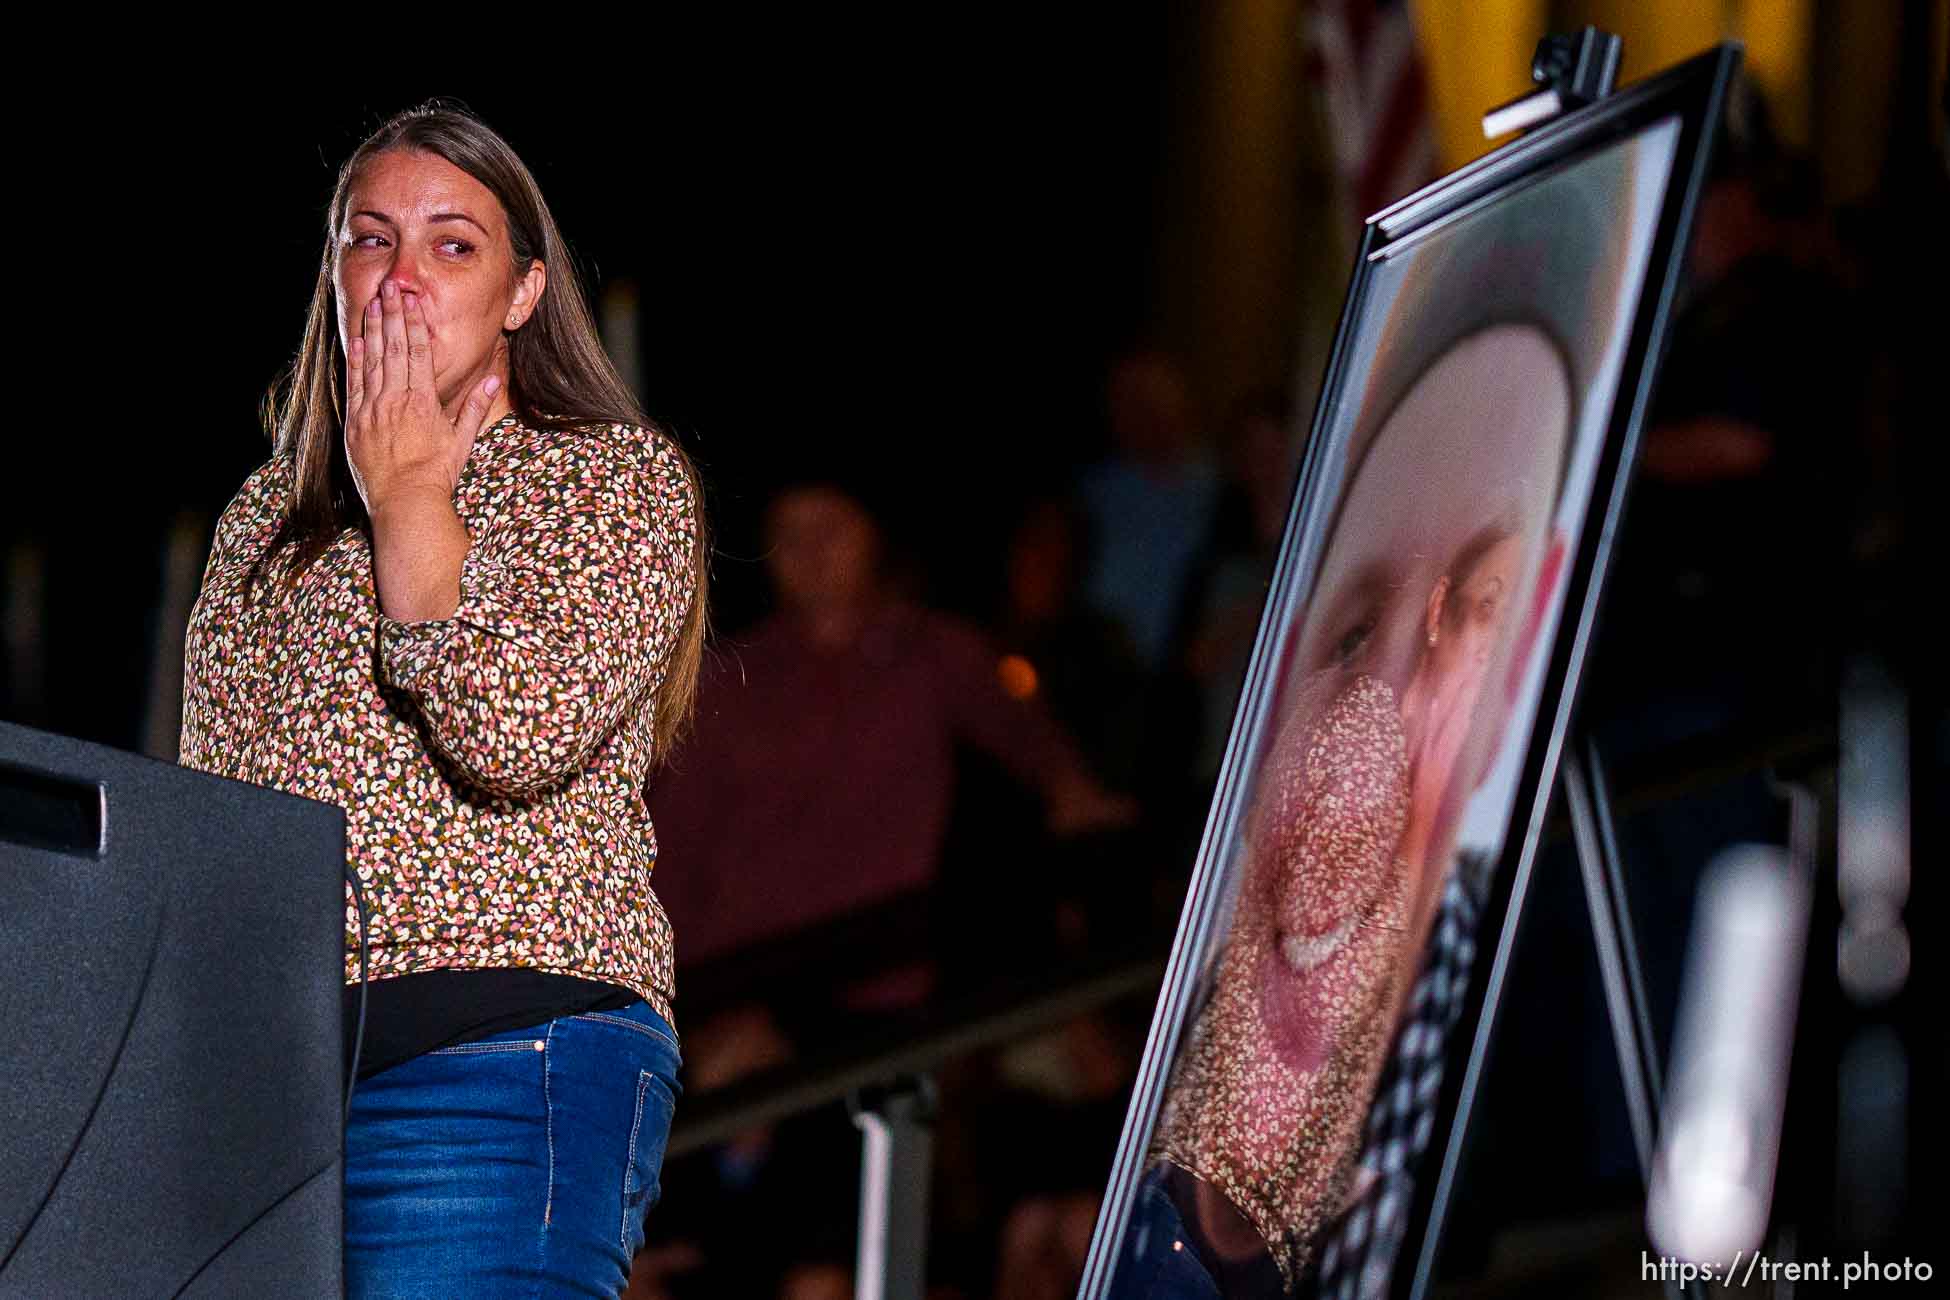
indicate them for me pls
(244, 530)
(572, 596)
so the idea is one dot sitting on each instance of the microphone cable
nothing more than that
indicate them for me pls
(365, 960)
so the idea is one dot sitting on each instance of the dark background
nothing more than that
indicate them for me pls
(900, 253)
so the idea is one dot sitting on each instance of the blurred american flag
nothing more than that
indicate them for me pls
(1362, 56)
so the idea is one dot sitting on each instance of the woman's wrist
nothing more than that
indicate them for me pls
(409, 504)
(418, 545)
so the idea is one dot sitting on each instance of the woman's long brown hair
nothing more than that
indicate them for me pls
(559, 377)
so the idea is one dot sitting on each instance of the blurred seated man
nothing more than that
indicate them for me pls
(822, 785)
(823, 782)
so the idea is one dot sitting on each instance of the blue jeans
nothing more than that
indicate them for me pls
(516, 1165)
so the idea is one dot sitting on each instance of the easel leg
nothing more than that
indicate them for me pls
(896, 1153)
(1588, 800)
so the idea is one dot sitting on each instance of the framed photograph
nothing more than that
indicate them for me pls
(1297, 1122)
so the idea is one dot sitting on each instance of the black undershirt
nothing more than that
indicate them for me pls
(411, 1015)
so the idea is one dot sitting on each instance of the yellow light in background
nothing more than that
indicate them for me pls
(1779, 36)
(1657, 33)
(1017, 675)
(1247, 154)
(1477, 55)
(1478, 52)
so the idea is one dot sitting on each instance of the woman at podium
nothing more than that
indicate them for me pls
(464, 601)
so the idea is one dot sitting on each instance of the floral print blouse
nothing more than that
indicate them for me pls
(490, 764)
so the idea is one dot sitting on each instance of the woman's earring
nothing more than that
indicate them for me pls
(1432, 638)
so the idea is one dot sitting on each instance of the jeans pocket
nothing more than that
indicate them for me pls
(649, 1133)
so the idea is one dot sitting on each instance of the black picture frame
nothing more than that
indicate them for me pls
(1691, 95)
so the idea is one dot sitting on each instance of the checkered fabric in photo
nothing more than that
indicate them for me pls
(1357, 1252)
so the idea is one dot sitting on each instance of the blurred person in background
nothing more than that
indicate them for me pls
(797, 1178)
(822, 784)
(1150, 505)
(1061, 1095)
(1061, 656)
(1082, 664)
(825, 778)
(1752, 462)
(1149, 502)
(1229, 593)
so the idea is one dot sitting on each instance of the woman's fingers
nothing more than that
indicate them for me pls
(372, 347)
(355, 376)
(396, 428)
(473, 418)
(419, 345)
(393, 332)
(474, 412)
